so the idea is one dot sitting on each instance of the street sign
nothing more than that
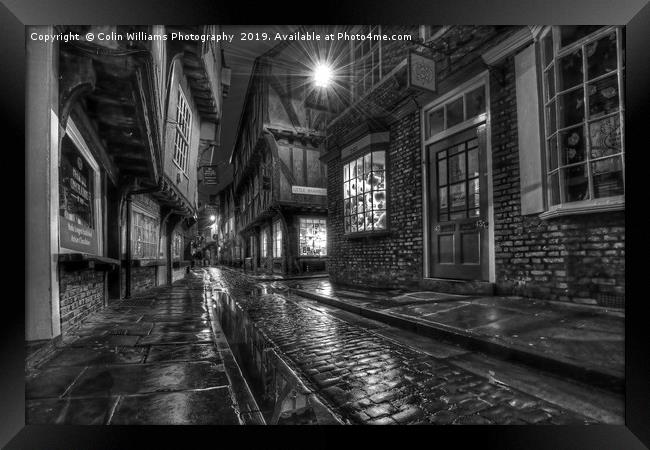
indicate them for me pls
(210, 175)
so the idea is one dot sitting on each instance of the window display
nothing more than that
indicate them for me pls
(313, 237)
(364, 193)
(583, 75)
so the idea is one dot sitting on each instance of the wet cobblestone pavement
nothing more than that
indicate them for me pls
(145, 360)
(368, 378)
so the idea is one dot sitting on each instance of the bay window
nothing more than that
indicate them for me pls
(144, 236)
(582, 77)
(364, 193)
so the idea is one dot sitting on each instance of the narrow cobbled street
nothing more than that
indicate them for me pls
(367, 377)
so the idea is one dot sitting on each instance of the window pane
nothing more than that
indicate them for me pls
(549, 83)
(353, 187)
(553, 189)
(571, 108)
(436, 121)
(572, 144)
(570, 70)
(379, 200)
(473, 191)
(346, 190)
(378, 161)
(475, 102)
(605, 137)
(346, 207)
(361, 222)
(547, 45)
(551, 124)
(347, 224)
(472, 163)
(601, 56)
(608, 177)
(380, 220)
(570, 34)
(368, 202)
(576, 185)
(454, 112)
(346, 172)
(603, 96)
(457, 167)
(458, 196)
(366, 163)
(442, 199)
(551, 161)
(442, 172)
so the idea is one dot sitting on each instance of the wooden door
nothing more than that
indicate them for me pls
(458, 206)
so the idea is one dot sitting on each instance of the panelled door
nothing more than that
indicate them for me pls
(457, 170)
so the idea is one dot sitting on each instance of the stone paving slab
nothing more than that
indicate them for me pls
(146, 360)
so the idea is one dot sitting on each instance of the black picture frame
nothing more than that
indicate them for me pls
(635, 14)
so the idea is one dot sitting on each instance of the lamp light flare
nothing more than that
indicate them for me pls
(323, 75)
(212, 218)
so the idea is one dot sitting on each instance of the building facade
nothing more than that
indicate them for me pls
(114, 127)
(279, 181)
(482, 159)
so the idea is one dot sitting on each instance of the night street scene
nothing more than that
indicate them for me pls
(325, 225)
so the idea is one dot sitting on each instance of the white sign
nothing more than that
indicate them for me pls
(306, 190)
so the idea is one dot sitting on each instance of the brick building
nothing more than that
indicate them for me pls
(114, 128)
(278, 179)
(482, 159)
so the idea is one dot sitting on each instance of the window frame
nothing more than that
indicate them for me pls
(264, 242)
(313, 219)
(132, 233)
(346, 162)
(591, 204)
(181, 155)
(356, 64)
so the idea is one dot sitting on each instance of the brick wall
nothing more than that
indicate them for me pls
(394, 259)
(80, 293)
(578, 258)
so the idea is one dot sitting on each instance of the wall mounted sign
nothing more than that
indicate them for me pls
(210, 175)
(306, 190)
(76, 210)
(422, 72)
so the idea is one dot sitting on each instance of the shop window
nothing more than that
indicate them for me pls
(183, 131)
(583, 111)
(313, 237)
(144, 236)
(177, 246)
(459, 109)
(265, 242)
(364, 193)
(366, 57)
(277, 239)
(79, 200)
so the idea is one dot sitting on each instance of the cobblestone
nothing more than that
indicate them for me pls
(367, 378)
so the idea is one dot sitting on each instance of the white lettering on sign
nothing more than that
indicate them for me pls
(306, 190)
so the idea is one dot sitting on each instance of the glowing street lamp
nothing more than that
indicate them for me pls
(323, 75)
(213, 218)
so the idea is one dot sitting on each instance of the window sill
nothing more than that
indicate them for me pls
(147, 262)
(367, 234)
(78, 261)
(585, 207)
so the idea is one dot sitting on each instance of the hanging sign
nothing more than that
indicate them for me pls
(210, 175)
(307, 190)
(422, 72)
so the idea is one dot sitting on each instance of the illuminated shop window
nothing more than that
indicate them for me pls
(277, 239)
(364, 193)
(144, 236)
(183, 130)
(177, 245)
(583, 110)
(313, 237)
(265, 241)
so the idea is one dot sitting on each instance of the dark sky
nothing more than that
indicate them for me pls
(239, 56)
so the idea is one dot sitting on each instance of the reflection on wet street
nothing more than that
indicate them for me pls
(366, 377)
